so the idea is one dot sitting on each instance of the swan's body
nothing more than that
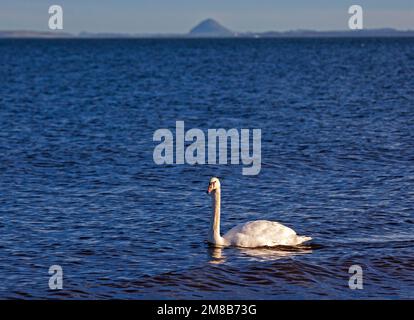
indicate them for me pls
(258, 233)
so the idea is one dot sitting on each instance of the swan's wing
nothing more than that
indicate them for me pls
(260, 233)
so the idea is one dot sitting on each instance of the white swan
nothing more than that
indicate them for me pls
(258, 233)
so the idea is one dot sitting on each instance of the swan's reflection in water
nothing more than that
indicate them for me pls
(217, 255)
(274, 253)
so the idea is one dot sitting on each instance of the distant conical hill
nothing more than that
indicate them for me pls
(210, 28)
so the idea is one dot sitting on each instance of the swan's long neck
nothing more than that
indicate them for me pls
(214, 232)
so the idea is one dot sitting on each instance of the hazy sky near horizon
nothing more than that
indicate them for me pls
(178, 16)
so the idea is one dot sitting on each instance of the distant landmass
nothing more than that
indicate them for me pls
(34, 34)
(210, 28)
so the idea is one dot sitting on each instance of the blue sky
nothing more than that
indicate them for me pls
(177, 16)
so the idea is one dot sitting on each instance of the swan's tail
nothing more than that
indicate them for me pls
(302, 239)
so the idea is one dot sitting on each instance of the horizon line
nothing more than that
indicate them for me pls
(235, 34)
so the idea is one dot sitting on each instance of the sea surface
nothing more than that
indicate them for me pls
(79, 187)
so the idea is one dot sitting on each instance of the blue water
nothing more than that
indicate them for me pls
(79, 188)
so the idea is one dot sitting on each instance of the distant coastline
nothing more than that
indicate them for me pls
(210, 28)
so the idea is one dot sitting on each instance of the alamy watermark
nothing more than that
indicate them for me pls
(356, 280)
(355, 22)
(196, 153)
(56, 279)
(56, 18)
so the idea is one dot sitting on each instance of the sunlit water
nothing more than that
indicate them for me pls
(79, 188)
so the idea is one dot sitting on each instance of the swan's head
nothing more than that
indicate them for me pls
(213, 185)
